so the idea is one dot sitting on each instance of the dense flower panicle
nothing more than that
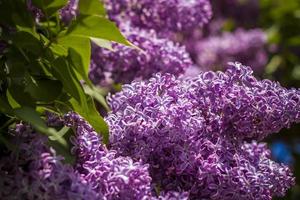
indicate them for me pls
(164, 16)
(125, 64)
(86, 141)
(33, 171)
(68, 12)
(191, 132)
(259, 156)
(245, 46)
(233, 102)
(114, 177)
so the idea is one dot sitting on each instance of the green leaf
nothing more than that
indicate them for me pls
(91, 7)
(90, 113)
(97, 27)
(61, 133)
(12, 101)
(79, 53)
(50, 6)
(26, 89)
(27, 41)
(15, 13)
(64, 73)
(59, 49)
(45, 90)
(31, 116)
(4, 106)
(66, 133)
(96, 94)
(18, 91)
(103, 43)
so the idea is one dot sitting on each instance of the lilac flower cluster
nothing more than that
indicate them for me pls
(33, 171)
(246, 46)
(164, 16)
(194, 133)
(125, 64)
(114, 177)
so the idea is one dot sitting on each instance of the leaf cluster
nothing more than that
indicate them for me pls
(45, 62)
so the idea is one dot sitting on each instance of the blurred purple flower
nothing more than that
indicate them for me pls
(161, 15)
(243, 12)
(125, 64)
(70, 11)
(245, 46)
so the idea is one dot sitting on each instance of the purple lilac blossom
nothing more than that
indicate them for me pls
(68, 12)
(35, 11)
(33, 171)
(125, 64)
(244, 46)
(173, 196)
(164, 16)
(114, 177)
(192, 132)
(53, 120)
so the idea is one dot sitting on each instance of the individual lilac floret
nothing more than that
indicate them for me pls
(191, 132)
(247, 47)
(164, 16)
(174, 196)
(68, 12)
(114, 177)
(35, 11)
(53, 120)
(33, 171)
(125, 64)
